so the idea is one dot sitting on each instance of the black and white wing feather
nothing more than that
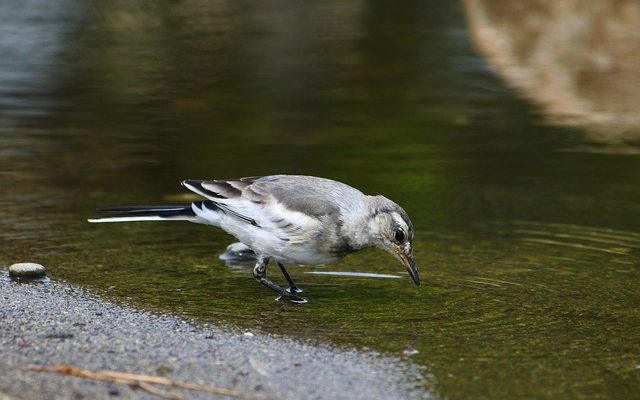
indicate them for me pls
(252, 201)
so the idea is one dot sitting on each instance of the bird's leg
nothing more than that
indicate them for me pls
(260, 273)
(293, 289)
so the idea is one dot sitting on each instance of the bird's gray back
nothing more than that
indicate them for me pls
(310, 195)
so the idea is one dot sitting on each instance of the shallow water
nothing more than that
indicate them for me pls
(527, 233)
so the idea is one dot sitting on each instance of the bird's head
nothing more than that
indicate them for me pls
(392, 231)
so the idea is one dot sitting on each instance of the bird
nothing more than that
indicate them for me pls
(289, 220)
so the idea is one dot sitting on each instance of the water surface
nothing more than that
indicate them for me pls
(528, 245)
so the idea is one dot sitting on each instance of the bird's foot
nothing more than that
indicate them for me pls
(292, 298)
(294, 290)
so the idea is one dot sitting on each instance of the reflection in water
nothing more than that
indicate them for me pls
(31, 55)
(354, 274)
(577, 60)
(530, 254)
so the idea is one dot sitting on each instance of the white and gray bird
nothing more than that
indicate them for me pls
(290, 219)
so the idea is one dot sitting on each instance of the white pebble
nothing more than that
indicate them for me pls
(410, 351)
(249, 334)
(31, 270)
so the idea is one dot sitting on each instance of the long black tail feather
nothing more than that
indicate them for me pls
(155, 213)
(144, 211)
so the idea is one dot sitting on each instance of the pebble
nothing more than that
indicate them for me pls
(27, 270)
(238, 252)
(410, 351)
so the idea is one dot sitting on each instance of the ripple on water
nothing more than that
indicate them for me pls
(593, 239)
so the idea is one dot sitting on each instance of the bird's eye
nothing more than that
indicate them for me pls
(400, 236)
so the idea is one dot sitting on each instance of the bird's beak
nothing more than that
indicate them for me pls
(406, 256)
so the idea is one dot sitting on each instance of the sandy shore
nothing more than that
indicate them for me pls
(51, 323)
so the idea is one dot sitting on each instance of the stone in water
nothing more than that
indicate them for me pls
(238, 252)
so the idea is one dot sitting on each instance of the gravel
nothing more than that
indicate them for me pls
(47, 323)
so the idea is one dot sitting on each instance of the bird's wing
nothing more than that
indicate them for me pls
(288, 207)
(223, 192)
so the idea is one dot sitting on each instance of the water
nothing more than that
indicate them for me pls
(527, 230)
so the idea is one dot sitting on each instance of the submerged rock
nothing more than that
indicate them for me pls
(238, 252)
(26, 270)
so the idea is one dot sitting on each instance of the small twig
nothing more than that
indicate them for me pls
(139, 380)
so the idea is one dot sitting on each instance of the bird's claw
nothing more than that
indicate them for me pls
(294, 290)
(292, 298)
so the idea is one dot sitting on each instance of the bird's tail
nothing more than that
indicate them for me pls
(154, 213)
